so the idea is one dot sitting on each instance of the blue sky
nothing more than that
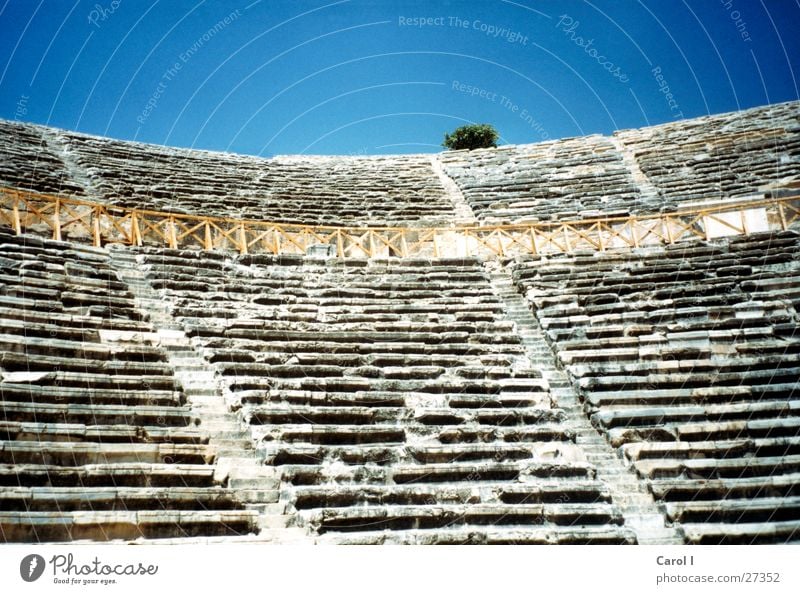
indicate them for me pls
(372, 77)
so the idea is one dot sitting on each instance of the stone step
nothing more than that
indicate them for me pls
(151, 303)
(236, 456)
(234, 449)
(230, 422)
(627, 491)
(259, 496)
(279, 524)
(176, 345)
(208, 401)
(606, 460)
(666, 540)
(567, 396)
(188, 366)
(237, 461)
(211, 418)
(200, 392)
(192, 384)
(188, 355)
(196, 377)
(589, 436)
(218, 428)
(260, 483)
(228, 435)
(220, 409)
(188, 371)
(598, 448)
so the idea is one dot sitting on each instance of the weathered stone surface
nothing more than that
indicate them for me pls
(401, 393)
(96, 439)
(704, 393)
(558, 178)
(358, 190)
(634, 171)
(125, 525)
(394, 401)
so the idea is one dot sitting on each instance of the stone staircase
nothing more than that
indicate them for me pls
(649, 195)
(463, 211)
(254, 484)
(75, 172)
(640, 511)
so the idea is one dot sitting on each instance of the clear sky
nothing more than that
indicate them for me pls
(268, 77)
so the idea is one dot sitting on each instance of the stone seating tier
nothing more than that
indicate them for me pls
(686, 357)
(368, 191)
(646, 170)
(640, 171)
(393, 398)
(720, 156)
(557, 179)
(97, 440)
(29, 163)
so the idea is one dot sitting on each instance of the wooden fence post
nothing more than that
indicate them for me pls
(57, 220)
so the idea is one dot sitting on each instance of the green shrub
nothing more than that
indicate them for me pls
(470, 137)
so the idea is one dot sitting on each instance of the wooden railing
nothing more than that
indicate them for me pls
(82, 221)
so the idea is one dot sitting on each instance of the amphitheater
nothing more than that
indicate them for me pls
(587, 340)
